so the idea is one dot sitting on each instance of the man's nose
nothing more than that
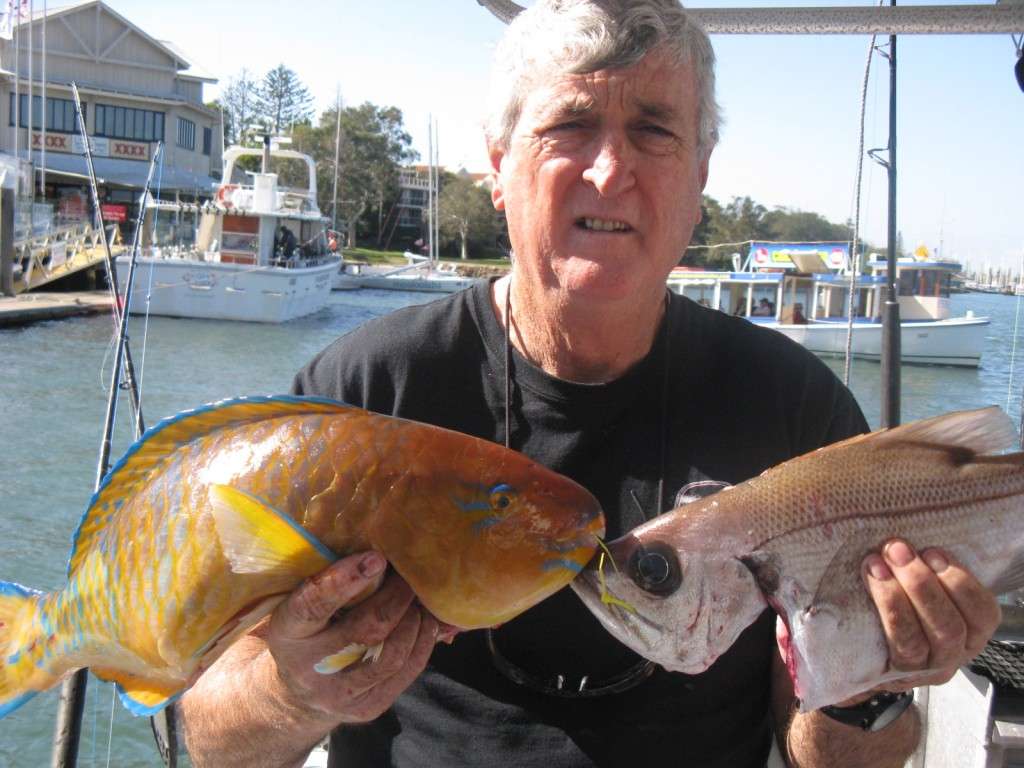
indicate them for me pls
(611, 170)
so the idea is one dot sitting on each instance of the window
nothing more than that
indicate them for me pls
(60, 114)
(128, 123)
(186, 133)
(207, 140)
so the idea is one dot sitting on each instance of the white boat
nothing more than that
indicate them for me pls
(259, 253)
(802, 291)
(418, 274)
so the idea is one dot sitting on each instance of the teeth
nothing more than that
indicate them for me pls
(605, 226)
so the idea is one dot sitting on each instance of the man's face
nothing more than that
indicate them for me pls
(601, 182)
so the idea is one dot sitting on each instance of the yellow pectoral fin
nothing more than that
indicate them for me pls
(348, 656)
(139, 695)
(257, 538)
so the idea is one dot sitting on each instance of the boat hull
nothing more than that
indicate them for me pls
(435, 283)
(955, 341)
(217, 291)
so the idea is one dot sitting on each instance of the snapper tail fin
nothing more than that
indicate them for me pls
(21, 647)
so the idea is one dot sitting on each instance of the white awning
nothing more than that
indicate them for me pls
(126, 173)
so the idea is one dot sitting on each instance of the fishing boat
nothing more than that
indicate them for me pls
(803, 291)
(258, 250)
(418, 274)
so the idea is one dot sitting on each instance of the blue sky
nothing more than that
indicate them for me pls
(791, 104)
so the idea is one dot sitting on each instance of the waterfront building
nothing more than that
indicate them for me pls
(135, 90)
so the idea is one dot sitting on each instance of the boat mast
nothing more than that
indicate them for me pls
(891, 307)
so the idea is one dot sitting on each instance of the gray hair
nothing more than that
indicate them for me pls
(584, 36)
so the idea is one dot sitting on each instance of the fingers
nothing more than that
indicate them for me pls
(935, 614)
(404, 657)
(310, 607)
(976, 604)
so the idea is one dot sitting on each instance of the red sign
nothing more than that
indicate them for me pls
(114, 212)
(129, 149)
(55, 142)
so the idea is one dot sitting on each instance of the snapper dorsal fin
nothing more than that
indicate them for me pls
(981, 431)
(156, 448)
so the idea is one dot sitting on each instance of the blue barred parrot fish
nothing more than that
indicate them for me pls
(216, 514)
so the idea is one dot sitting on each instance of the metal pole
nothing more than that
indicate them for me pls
(337, 153)
(437, 195)
(891, 309)
(42, 150)
(430, 188)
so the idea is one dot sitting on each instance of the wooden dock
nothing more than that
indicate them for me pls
(27, 308)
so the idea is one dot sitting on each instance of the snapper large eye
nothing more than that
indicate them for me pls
(655, 568)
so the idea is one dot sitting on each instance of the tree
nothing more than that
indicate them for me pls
(466, 212)
(374, 144)
(282, 100)
(239, 101)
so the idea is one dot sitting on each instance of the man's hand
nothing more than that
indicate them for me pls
(304, 629)
(263, 703)
(936, 616)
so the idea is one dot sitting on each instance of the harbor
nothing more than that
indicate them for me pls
(238, 246)
(54, 403)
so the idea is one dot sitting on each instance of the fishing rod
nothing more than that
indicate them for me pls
(68, 728)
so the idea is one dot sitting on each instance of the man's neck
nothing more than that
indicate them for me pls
(575, 341)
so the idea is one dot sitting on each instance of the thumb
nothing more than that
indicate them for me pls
(310, 607)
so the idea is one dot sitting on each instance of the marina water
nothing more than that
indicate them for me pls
(53, 389)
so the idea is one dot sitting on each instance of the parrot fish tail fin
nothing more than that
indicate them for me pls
(22, 647)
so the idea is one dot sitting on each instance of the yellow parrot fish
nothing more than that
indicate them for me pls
(216, 514)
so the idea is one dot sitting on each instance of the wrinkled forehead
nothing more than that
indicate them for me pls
(657, 87)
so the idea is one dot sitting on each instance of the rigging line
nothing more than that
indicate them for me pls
(1013, 350)
(110, 729)
(149, 282)
(852, 292)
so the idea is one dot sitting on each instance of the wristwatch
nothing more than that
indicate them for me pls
(878, 712)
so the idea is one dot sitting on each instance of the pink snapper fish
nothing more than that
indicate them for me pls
(216, 514)
(683, 586)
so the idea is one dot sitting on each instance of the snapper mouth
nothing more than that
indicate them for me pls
(603, 225)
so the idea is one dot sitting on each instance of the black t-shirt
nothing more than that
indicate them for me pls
(717, 397)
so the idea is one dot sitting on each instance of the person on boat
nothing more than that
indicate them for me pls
(798, 314)
(763, 309)
(286, 243)
(602, 127)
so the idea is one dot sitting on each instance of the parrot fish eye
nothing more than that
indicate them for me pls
(655, 568)
(501, 496)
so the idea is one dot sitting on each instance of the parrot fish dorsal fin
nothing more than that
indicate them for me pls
(139, 695)
(256, 538)
(982, 431)
(156, 448)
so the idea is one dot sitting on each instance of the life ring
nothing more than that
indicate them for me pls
(224, 195)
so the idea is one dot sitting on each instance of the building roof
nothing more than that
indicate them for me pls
(181, 60)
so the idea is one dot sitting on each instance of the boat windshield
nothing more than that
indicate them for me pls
(292, 172)
(925, 282)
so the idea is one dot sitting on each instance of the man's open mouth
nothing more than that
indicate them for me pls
(603, 225)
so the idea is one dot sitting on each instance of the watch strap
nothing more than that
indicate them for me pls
(874, 714)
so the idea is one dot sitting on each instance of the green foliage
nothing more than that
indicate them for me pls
(374, 144)
(729, 229)
(467, 215)
(239, 100)
(282, 101)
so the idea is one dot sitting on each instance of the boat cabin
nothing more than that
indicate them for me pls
(924, 286)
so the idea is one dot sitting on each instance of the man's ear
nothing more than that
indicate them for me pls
(496, 156)
(703, 170)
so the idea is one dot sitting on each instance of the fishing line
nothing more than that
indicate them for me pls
(110, 730)
(149, 283)
(852, 291)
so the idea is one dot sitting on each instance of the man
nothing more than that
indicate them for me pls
(600, 142)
